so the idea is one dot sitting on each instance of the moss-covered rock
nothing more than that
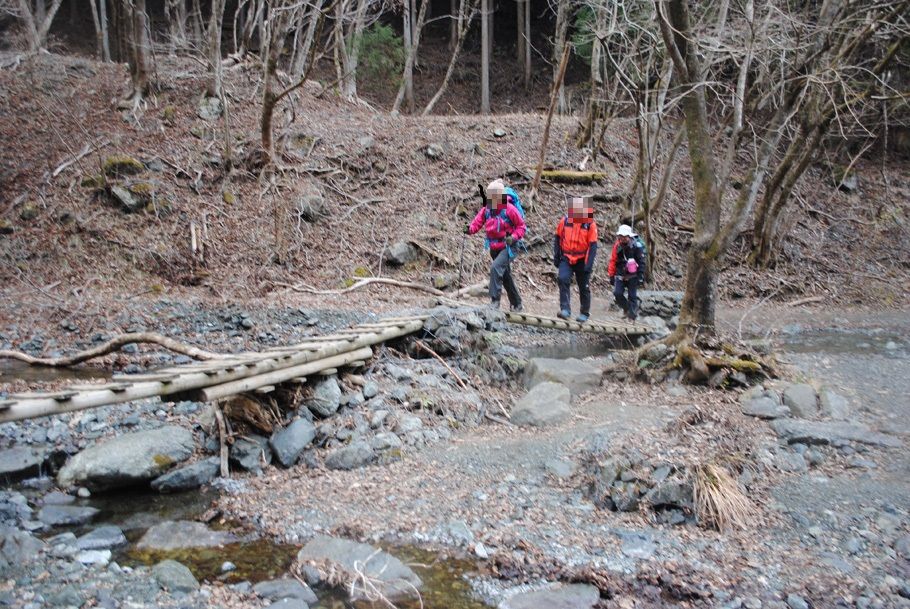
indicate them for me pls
(169, 114)
(6, 228)
(120, 165)
(29, 211)
(228, 197)
(93, 181)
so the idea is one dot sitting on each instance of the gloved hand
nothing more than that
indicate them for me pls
(467, 229)
(510, 239)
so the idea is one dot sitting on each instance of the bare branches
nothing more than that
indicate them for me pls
(113, 345)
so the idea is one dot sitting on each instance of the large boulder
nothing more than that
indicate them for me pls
(180, 534)
(575, 374)
(128, 459)
(802, 400)
(326, 397)
(547, 403)
(561, 596)
(394, 579)
(20, 462)
(289, 442)
(103, 538)
(830, 432)
(188, 477)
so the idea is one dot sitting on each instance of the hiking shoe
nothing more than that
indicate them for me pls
(581, 318)
(517, 308)
(564, 314)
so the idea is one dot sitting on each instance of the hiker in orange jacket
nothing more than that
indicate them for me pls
(574, 250)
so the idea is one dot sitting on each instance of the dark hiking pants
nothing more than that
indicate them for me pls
(501, 277)
(630, 304)
(582, 278)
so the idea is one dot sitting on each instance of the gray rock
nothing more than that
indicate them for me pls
(21, 462)
(902, 546)
(174, 577)
(18, 549)
(434, 151)
(787, 461)
(400, 253)
(499, 132)
(188, 477)
(833, 405)
(378, 418)
(14, 507)
(560, 468)
(66, 596)
(815, 457)
(251, 454)
(128, 459)
(858, 462)
(326, 397)
(395, 580)
(209, 108)
(66, 515)
(57, 498)
(765, 408)
(830, 432)
(102, 538)
(370, 390)
(289, 603)
(277, 589)
(129, 202)
(385, 441)
(625, 496)
(675, 493)
(459, 532)
(288, 443)
(575, 374)
(408, 423)
(357, 454)
(802, 400)
(561, 596)
(180, 534)
(795, 601)
(311, 207)
(98, 558)
(547, 403)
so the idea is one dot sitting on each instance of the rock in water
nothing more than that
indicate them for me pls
(570, 596)
(546, 404)
(394, 579)
(179, 534)
(575, 374)
(174, 577)
(277, 589)
(102, 538)
(66, 515)
(129, 459)
(288, 443)
(189, 477)
(20, 462)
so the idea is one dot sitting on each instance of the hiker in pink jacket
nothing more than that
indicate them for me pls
(503, 225)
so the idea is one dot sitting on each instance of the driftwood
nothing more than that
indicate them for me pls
(360, 284)
(114, 345)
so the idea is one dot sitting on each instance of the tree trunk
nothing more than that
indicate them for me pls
(527, 44)
(409, 61)
(304, 51)
(454, 24)
(562, 28)
(140, 45)
(485, 56)
(175, 14)
(408, 78)
(596, 87)
(99, 47)
(105, 38)
(519, 31)
(465, 15)
(37, 24)
(216, 19)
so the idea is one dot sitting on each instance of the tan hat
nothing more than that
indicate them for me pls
(495, 187)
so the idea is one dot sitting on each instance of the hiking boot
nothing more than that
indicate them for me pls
(564, 314)
(494, 304)
(517, 308)
(582, 318)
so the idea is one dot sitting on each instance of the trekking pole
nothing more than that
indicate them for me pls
(464, 238)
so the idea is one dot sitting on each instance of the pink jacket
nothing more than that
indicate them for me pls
(496, 227)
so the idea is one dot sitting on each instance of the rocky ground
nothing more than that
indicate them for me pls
(591, 482)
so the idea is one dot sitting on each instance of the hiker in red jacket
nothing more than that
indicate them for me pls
(627, 269)
(504, 226)
(574, 250)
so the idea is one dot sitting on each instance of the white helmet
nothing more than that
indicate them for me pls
(625, 231)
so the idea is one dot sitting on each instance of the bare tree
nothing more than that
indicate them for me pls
(216, 69)
(465, 16)
(564, 10)
(36, 21)
(406, 90)
(139, 45)
(175, 14)
(350, 21)
(99, 17)
(485, 18)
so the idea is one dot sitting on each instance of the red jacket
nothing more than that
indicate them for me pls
(619, 256)
(497, 227)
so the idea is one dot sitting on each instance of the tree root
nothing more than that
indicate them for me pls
(114, 345)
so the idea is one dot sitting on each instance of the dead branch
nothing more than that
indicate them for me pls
(360, 284)
(222, 441)
(114, 345)
(422, 346)
(808, 300)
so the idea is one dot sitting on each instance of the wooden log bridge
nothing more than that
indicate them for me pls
(261, 371)
(611, 327)
(213, 379)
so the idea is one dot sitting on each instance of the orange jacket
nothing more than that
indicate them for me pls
(575, 238)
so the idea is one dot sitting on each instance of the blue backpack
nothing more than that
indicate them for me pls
(516, 202)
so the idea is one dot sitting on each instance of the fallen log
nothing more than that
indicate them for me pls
(360, 284)
(571, 176)
(114, 345)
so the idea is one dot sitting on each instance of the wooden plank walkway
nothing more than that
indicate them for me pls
(261, 371)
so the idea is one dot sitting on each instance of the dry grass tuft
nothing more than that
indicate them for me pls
(720, 502)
